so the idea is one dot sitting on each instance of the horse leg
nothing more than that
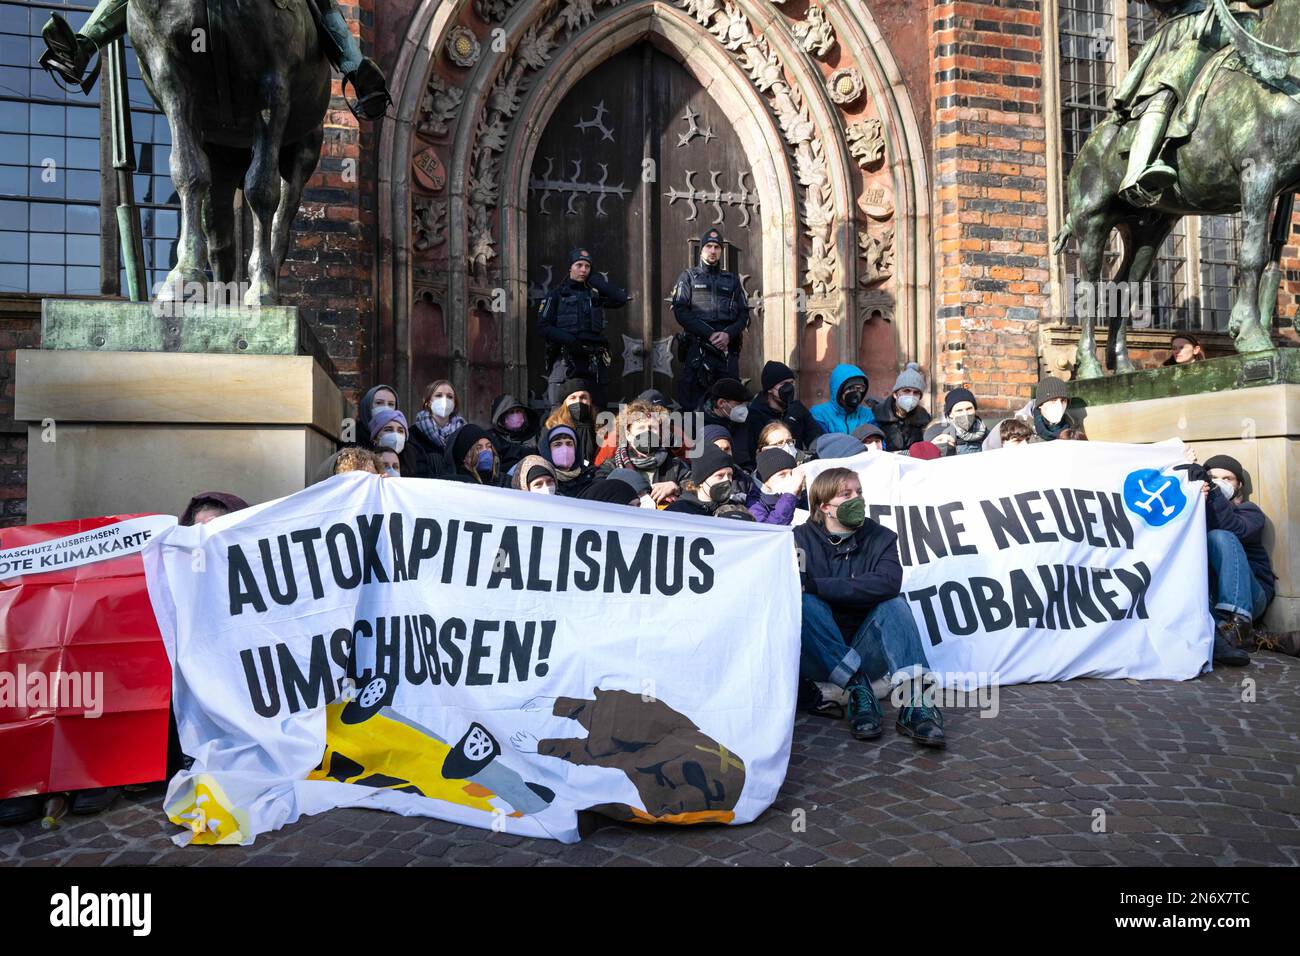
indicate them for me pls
(219, 220)
(1258, 186)
(1145, 240)
(262, 190)
(1092, 230)
(297, 164)
(192, 176)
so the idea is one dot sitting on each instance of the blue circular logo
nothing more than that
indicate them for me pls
(1153, 496)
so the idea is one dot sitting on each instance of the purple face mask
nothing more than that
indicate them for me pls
(515, 420)
(562, 456)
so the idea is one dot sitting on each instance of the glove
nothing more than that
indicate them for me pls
(1194, 471)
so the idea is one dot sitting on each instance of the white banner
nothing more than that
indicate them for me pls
(86, 547)
(1048, 561)
(479, 655)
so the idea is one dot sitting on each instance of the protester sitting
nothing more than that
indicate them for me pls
(613, 491)
(710, 485)
(388, 429)
(1184, 348)
(577, 411)
(375, 399)
(962, 431)
(847, 407)
(642, 448)
(1244, 582)
(354, 458)
(472, 458)
(777, 402)
(513, 430)
(727, 404)
(870, 435)
(536, 475)
(638, 482)
(924, 451)
(437, 421)
(717, 435)
(854, 617)
(207, 505)
(837, 445)
(777, 435)
(901, 416)
(559, 445)
(775, 496)
(390, 464)
(1045, 413)
(1013, 432)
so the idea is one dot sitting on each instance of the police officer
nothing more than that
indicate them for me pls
(710, 306)
(572, 320)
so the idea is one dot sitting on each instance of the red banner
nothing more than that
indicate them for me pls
(84, 678)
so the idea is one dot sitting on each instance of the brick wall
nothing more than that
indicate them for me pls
(329, 271)
(990, 197)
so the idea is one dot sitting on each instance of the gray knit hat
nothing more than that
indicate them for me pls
(910, 377)
(1049, 388)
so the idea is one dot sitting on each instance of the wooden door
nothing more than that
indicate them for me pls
(635, 164)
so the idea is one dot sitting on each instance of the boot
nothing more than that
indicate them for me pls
(67, 54)
(865, 717)
(814, 700)
(1148, 176)
(373, 98)
(921, 721)
(1228, 643)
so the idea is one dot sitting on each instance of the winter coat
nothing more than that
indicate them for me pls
(853, 576)
(512, 447)
(1246, 521)
(834, 417)
(802, 426)
(900, 433)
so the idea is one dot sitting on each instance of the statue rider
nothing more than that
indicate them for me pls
(68, 53)
(1161, 77)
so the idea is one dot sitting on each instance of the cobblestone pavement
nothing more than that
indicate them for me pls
(1185, 773)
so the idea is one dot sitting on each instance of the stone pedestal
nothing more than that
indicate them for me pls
(1244, 406)
(113, 432)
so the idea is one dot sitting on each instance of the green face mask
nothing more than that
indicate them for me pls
(852, 513)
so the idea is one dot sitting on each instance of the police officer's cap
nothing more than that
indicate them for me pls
(580, 254)
(711, 235)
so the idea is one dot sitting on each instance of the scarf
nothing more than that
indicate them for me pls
(979, 431)
(1047, 431)
(437, 434)
(623, 459)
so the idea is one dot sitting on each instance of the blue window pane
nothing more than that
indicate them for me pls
(43, 86)
(13, 278)
(83, 185)
(166, 224)
(83, 153)
(15, 81)
(13, 146)
(83, 122)
(13, 180)
(13, 215)
(48, 119)
(41, 150)
(13, 50)
(47, 217)
(45, 247)
(46, 279)
(13, 19)
(13, 247)
(47, 183)
(161, 158)
(83, 280)
(164, 193)
(83, 251)
(13, 116)
(83, 219)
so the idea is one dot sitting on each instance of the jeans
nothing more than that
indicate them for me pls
(1236, 588)
(886, 642)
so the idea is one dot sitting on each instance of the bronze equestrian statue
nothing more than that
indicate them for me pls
(245, 85)
(1206, 122)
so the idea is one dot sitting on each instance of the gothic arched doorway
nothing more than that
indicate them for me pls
(635, 163)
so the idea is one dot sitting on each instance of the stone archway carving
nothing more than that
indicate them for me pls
(850, 148)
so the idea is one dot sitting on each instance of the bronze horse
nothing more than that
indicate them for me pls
(246, 98)
(1243, 153)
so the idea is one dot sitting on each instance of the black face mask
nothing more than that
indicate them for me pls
(643, 443)
(786, 394)
(720, 492)
(852, 399)
(580, 412)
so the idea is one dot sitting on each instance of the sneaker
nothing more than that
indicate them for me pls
(923, 723)
(865, 716)
(813, 700)
(1226, 650)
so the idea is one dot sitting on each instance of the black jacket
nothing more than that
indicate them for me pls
(573, 312)
(900, 433)
(853, 576)
(797, 418)
(511, 448)
(1246, 521)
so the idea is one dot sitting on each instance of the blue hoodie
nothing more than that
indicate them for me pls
(831, 415)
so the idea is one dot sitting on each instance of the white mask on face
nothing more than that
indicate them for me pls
(1053, 412)
(907, 402)
(544, 490)
(1226, 487)
(739, 413)
(787, 447)
(442, 407)
(394, 440)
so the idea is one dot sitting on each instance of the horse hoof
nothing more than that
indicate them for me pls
(181, 286)
(1253, 338)
(260, 297)
(1123, 366)
(1089, 367)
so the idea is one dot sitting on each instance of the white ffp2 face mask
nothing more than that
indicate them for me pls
(442, 407)
(739, 414)
(1226, 487)
(394, 440)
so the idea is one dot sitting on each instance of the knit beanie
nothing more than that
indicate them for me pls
(910, 377)
(773, 373)
(383, 417)
(1050, 388)
(956, 396)
(711, 459)
(772, 460)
